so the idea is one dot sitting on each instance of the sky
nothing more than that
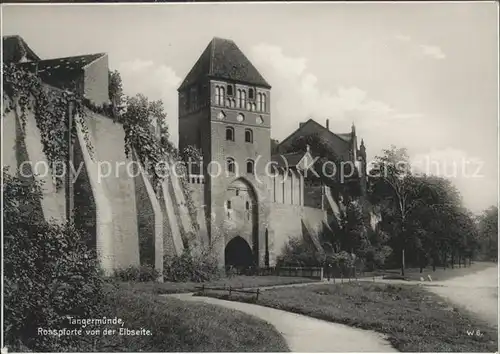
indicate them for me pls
(423, 76)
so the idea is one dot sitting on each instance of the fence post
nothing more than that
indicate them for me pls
(257, 297)
(230, 291)
(203, 289)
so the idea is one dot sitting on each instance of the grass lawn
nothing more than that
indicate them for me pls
(240, 281)
(178, 326)
(413, 319)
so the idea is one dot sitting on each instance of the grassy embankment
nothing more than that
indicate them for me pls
(413, 319)
(178, 326)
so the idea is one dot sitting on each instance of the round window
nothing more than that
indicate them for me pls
(240, 118)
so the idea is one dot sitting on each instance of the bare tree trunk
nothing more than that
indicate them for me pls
(452, 259)
(403, 261)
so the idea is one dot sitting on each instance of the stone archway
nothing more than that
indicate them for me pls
(241, 215)
(238, 254)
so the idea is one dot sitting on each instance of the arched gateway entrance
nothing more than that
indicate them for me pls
(241, 226)
(238, 254)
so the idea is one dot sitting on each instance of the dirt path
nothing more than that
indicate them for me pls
(306, 334)
(477, 292)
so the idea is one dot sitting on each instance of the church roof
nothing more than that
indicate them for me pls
(341, 143)
(14, 49)
(222, 59)
(345, 136)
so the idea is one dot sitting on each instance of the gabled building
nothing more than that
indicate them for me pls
(84, 74)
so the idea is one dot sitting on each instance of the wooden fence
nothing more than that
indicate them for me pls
(305, 272)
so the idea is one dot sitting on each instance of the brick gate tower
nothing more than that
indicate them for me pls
(224, 110)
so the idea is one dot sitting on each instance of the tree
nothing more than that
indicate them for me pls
(115, 91)
(394, 188)
(488, 233)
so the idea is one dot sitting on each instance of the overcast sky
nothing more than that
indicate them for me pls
(420, 76)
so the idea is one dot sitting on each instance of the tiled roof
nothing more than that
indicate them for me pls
(60, 69)
(345, 136)
(342, 141)
(67, 64)
(14, 49)
(222, 59)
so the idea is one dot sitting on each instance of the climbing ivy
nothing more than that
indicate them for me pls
(23, 92)
(146, 133)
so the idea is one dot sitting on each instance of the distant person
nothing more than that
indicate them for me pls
(328, 271)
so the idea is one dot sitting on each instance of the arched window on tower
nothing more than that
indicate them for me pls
(250, 166)
(250, 94)
(238, 98)
(248, 136)
(259, 101)
(264, 103)
(230, 133)
(230, 165)
(217, 94)
(243, 103)
(229, 90)
(222, 96)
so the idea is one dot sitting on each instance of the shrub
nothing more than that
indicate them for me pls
(141, 273)
(190, 266)
(297, 252)
(49, 272)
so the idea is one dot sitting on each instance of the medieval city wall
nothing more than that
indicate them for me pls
(114, 177)
(294, 221)
(287, 188)
(114, 200)
(17, 149)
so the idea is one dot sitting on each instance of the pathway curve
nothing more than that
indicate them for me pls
(477, 292)
(306, 334)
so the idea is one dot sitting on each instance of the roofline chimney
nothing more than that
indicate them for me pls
(328, 124)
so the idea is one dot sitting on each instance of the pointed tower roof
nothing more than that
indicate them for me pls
(222, 59)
